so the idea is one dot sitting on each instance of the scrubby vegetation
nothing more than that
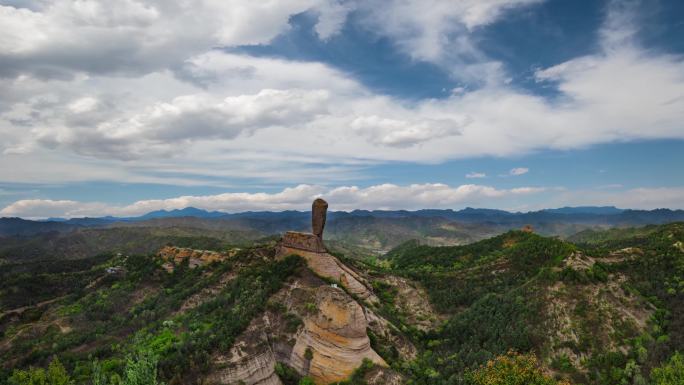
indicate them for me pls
(134, 309)
(511, 369)
(607, 310)
(498, 294)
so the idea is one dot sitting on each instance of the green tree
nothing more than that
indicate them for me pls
(141, 369)
(98, 377)
(31, 376)
(671, 373)
(57, 374)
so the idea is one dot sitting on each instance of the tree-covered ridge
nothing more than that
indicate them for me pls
(617, 302)
(458, 276)
(598, 313)
(134, 307)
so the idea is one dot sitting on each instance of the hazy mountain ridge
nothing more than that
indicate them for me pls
(355, 233)
(277, 221)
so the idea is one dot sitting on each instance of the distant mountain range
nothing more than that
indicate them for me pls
(468, 212)
(271, 222)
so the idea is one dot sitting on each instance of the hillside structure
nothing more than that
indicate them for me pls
(311, 242)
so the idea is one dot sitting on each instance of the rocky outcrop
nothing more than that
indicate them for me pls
(303, 242)
(245, 367)
(383, 376)
(313, 326)
(250, 361)
(176, 255)
(309, 325)
(327, 266)
(334, 337)
(310, 247)
(319, 209)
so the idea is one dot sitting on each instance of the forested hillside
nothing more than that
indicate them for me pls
(518, 308)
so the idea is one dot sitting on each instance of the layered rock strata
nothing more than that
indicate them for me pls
(335, 337)
(311, 326)
(314, 327)
(327, 266)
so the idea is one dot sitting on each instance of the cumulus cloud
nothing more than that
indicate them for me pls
(404, 133)
(57, 38)
(473, 174)
(46, 208)
(518, 171)
(346, 198)
(163, 126)
(139, 87)
(61, 38)
(385, 196)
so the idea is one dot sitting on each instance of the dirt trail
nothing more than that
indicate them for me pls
(22, 309)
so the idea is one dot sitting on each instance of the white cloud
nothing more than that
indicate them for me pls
(432, 29)
(518, 171)
(56, 38)
(192, 117)
(332, 16)
(474, 174)
(385, 196)
(139, 87)
(403, 133)
(46, 208)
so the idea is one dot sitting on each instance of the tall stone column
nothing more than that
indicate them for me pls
(319, 209)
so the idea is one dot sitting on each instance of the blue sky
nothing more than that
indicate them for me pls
(516, 104)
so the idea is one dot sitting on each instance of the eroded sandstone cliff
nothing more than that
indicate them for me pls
(315, 328)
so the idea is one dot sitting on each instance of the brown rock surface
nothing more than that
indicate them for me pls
(382, 376)
(245, 364)
(303, 242)
(306, 314)
(336, 336)
(328, 266)
(318, 214)
(176, 255)
(390, 335)
(317, 329)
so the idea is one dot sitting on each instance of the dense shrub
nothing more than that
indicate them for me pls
(511, 369)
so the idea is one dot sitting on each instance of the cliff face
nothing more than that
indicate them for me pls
(327, 266)
(315, 328)
(335, 336)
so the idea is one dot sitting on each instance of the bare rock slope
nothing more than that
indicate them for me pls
(315, 328)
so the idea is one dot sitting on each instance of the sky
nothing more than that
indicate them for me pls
(127, 106)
